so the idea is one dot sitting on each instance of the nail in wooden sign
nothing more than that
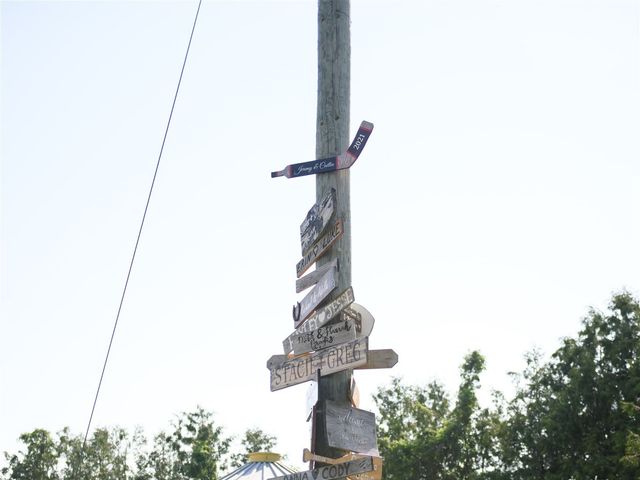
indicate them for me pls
(317, 220)
(327, 336)
(325, 286)
(312, 278)
(330, 164)
(320, 317)
(330, 360)
(319, 248)
(332, 472)
(349, 428)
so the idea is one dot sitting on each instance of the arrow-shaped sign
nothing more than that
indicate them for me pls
(330, 164)
(376, 474)
(384, 358)
(334, 471)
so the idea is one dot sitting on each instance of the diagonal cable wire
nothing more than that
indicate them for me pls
(135, 248)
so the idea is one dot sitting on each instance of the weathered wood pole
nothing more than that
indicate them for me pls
(332, 138)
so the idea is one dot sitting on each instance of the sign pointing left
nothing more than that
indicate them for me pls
(330, 164)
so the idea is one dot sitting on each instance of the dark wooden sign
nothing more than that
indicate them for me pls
(312, 278)
(319, 248)
(320, 317)
(323, 337)
(330, 164)
(325, 286)
(317, 220)
(330, 360)
(333, 472)
(349, 428)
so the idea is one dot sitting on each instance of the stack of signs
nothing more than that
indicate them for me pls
(331, 335)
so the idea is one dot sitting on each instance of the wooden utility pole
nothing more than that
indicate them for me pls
(332, 138)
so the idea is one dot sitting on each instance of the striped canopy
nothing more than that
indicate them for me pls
(261, 466)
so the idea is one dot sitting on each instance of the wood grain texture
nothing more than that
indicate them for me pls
(320, 317)
(324, 287)
(330, 360)
(317, 220)
(333, 472)
(383, 358)
(323, 337)
(320, 247)
(312, 278)
(332, 137)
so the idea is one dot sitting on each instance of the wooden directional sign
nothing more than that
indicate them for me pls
(317, 220)
(385, 358)
(312, 278)
(320, 317)
(330, 360)
(324, 287)
(327, 336)
(349, 428)
(330, 164)
(319, 248)
(376, 474)
(362, 317)
(376, 359)
(332, 472)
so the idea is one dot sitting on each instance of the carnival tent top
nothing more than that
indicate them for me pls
(261, 466)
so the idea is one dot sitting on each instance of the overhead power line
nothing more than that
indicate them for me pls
(135, 248)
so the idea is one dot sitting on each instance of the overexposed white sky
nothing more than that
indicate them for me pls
(496, 201)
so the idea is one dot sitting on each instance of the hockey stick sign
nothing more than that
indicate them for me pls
(330, 164)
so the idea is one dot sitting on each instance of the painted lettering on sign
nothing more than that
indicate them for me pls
(330, 360)
(376, 359)
(314, 166)
(350, 428)
(319, 248)
(320, 317)
(324, 287)
(317, 220)
(331, 472)
(376, 474)
(339, 162)
(324, 337)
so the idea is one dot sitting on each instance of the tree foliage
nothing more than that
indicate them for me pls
(194, 448)
(254, 440)
(575, 416)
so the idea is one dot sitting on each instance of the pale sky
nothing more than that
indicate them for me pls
(495, 203)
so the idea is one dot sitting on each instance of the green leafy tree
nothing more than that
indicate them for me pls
(569, 420)
(422, 436)
(38, 462)
(193, 450)
(254, 440)
(632, 447)
(197, 447)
